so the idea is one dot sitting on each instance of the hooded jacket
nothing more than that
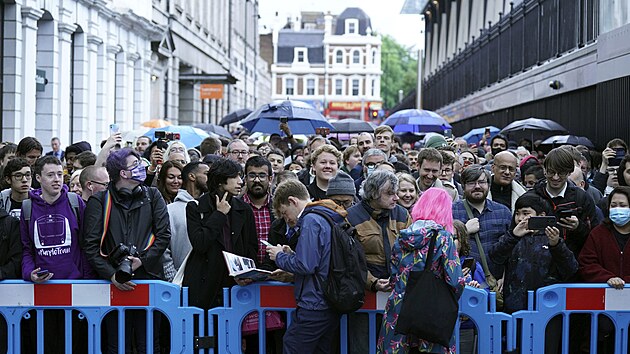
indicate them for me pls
(409, 254)
(50, 240)
(312, 255)
(180, 244)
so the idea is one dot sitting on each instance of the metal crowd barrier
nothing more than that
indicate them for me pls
(496, 331)
(94, 299)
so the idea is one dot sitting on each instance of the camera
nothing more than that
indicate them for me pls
(119, 257)
(167, 136)
(555, 84)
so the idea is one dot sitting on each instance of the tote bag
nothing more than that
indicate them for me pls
(430, 308)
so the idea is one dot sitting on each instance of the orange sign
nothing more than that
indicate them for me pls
(211, 91)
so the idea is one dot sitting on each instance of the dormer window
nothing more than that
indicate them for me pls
(300, 55)
(352, 26)
(339, 57)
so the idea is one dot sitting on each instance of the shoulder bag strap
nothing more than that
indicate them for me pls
(429, 260)
(482, 254)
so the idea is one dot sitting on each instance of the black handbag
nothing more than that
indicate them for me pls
(430, 308)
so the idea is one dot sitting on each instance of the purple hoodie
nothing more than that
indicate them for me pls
(45, 240)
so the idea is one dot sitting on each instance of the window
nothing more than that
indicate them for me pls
(338, 87)
(374, 56)
(339, 57)
(373, 87)
(355, 87)
(289, 86)
(356, 57)
(300, 56)
(352, 26)
(310, 87)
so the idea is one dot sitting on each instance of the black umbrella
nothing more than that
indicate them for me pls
(531, 127)
(235, 116)
(351, 125)
(557, 140)
(213, 128)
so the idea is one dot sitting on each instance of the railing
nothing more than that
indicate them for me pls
(533, 32)
(496, 331)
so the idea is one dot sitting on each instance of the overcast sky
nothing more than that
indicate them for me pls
(385, 15)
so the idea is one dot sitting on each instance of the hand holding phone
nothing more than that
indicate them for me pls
(42, 273)
(540, 222)
(266, 243)
(114, 129)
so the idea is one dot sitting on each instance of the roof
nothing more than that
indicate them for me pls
(305, 38)
(353, 13)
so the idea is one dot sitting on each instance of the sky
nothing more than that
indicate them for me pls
(385, 16)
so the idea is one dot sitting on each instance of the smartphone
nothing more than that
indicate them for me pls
(566, 213)
(42, 273)
(620, 153)
(114, 129)
(284, 119)
(540, 222)
(469, 263)
(266, 243)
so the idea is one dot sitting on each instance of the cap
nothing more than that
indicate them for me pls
(341, 184)
(436, 142)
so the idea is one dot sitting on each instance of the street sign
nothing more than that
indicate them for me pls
(211, 91)
(40, 80)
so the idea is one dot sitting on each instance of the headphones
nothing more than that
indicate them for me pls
(126, 194)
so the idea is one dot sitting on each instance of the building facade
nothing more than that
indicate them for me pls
(492, 62)
(71, 68)
(332, 63)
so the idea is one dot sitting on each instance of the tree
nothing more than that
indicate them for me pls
(400, 71)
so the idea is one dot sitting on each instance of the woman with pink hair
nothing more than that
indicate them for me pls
(432, 217)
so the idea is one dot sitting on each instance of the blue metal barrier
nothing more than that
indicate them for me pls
(567, 299)
(94, 300)
(271, 296)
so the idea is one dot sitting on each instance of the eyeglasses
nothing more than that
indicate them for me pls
(344, 203)
(18, 176)
(261, 176)
(133, 165)
(550, 173)
(504, 168)
(237, 153)
(472, 184)
(104, 184)
(177, 149)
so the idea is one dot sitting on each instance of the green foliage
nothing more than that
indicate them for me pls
(400, 71)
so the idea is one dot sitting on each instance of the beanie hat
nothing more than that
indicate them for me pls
(436, 142)
(341, 184)
(79, 147)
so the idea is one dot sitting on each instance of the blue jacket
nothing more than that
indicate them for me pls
(311, 257)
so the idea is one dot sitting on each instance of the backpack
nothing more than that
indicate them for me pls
(72, 197)
(344, 289)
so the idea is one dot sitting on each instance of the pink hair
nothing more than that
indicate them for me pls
(435, 204)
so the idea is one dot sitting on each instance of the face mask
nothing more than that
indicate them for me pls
(495, 151)
(620, 216)
(139, 173)
(370, 170)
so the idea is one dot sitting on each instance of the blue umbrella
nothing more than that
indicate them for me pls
(190, 136)
(301, 117)
(473, 136)
(417, 121)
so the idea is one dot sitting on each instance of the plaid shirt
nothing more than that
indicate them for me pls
(494, 222)
(262, 216)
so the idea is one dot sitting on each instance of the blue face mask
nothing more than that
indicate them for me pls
(620, 216)
(370, 169)
(138, 173)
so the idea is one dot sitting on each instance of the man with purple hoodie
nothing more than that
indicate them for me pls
(50, 236)
(50, 225)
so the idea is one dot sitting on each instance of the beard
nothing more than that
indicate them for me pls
(473, 199)
(257, 193)
(201, 186)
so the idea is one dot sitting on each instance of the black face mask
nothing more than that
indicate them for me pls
(495, 151)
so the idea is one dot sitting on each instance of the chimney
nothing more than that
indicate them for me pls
(328, 23)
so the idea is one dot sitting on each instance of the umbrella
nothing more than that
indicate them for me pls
(533, 124)
(568, 140)
(190, 136)
(475, 135)
(156, 123)
(213, 128)
(417, 121)
(352, 125)
(301, 117)
(235, 116)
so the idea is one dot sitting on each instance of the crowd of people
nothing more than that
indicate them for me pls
(158, 207)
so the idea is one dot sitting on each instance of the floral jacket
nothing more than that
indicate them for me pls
(409, 254)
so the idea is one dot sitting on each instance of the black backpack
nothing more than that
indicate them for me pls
(345, 287)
